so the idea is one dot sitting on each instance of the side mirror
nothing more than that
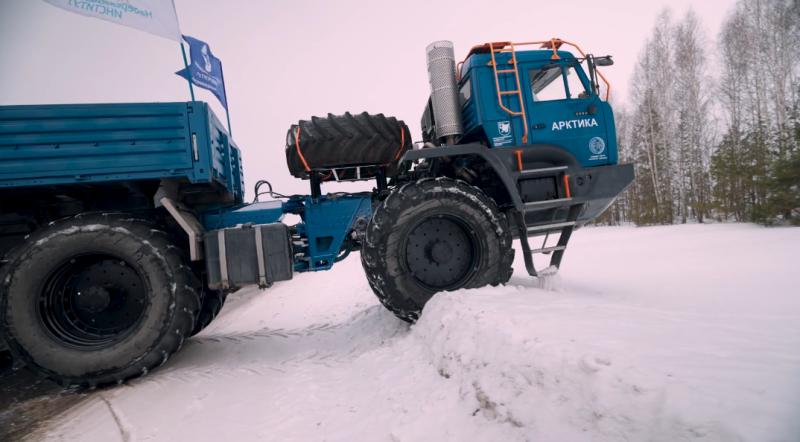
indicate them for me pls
(604, 61)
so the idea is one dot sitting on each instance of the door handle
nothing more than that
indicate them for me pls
(539, 126)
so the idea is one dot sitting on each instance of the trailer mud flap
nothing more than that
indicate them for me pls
(248, 255)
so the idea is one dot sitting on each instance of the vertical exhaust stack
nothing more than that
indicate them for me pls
(444, 90)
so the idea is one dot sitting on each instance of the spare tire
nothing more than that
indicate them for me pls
(344, 141)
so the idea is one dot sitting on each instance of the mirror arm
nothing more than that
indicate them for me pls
(592, 74)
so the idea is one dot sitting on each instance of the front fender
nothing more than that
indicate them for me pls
(597, 187)
(505, 161)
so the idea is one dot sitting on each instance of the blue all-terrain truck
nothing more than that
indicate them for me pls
(123, 227)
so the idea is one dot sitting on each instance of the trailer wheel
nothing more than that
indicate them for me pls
(210, 306)
(430, 236)
(347, 140)
(97, 299)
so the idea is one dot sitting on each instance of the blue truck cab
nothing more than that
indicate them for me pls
(530, 129)
(556, 95)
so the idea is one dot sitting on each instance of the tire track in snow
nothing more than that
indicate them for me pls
(126, 430)
(336, 343)
(298, 332)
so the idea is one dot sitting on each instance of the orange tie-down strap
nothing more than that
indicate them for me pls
(297, 144)
(399, 151)
(308, 169)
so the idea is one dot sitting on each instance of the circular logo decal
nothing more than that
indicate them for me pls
(597, 145)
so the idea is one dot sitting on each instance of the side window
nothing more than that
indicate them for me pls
(576, 88)
(547, 84)
(465, 93)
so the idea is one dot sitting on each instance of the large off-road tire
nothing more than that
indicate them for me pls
(3, 272)
(97, 299)
(347, 140)
(210, 306)
(434, 235)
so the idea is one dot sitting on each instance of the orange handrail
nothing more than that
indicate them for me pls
(518, 91)
(553, 43)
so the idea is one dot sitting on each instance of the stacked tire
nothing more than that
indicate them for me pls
(339, 141)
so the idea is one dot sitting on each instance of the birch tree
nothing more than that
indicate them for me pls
(722, 144)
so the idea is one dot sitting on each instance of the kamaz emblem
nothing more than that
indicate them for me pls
(574, 124)
(504, 127)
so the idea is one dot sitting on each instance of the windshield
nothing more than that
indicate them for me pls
(549, 85)
(544, 85)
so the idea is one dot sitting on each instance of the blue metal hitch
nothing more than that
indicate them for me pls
(328, 221)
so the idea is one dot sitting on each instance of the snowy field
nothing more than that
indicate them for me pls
(651, 334)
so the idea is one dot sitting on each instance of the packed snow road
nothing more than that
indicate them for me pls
(651, 334)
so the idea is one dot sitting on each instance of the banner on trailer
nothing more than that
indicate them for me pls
(205, 70)
(157, 17)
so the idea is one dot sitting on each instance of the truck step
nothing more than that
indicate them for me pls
(543, 170)
(551, 226)
(547, 204)
(549, 249)
(565, 227)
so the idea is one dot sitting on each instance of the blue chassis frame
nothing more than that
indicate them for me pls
(327, 220)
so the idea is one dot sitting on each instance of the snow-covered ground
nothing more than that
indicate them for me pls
(652, 334)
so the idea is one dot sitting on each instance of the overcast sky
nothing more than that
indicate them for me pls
(286, 61)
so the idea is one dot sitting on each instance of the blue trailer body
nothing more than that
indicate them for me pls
(90, 143)
(45, 149)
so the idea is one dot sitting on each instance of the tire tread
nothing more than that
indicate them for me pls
(186, 306)
(399, 209)
(347, 140)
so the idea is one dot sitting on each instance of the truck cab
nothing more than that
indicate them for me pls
(529, 129)
(514, 97)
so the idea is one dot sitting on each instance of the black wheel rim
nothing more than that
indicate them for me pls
(441, 252)
(92, 301)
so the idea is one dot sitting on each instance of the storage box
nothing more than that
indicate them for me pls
(250, 255)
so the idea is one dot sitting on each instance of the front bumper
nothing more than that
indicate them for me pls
(596, 188)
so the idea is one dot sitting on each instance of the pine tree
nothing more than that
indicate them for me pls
(784, 185)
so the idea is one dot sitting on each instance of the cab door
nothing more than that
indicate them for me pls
(558, 111)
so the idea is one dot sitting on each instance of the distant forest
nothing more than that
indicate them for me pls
(713, 124)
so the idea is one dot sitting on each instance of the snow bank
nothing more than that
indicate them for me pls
(662, 350)
(559, 372)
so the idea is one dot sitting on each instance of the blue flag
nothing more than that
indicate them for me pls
(205, 70)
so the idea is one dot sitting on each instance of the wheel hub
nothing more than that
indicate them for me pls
(113, 293)
(92, 301)
(439, 253)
